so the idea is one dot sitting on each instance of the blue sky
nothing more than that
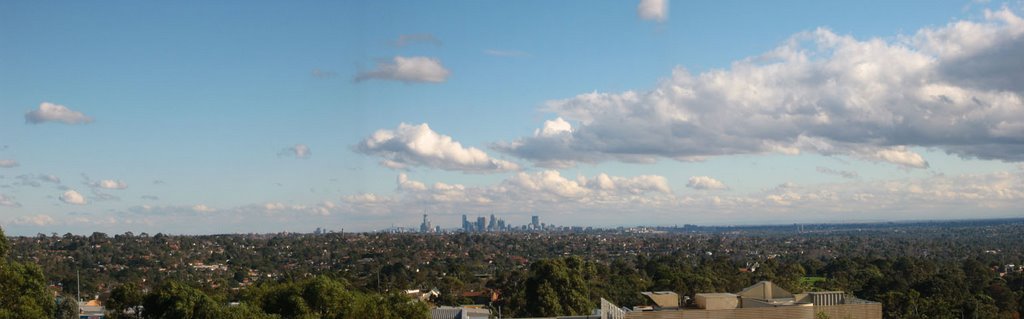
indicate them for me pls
(266, 116)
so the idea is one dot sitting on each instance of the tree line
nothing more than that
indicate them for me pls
(939, 271)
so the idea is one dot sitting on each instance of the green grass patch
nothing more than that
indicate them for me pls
(811, 280)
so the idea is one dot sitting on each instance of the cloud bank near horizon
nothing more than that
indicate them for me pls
(956, 88)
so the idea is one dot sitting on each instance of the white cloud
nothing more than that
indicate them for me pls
(627, 185)
(49, 178)
(554, 127)
(900, 156)
(656, 10)
(202, 208)
(365, 198)
(524, 188)
(299, 151)
(110, 184)
(8, 163)
(600, 200)
(932, 197)
(72, 197)
(818, 92)
(405, 184)
(409, 70)
(49, 112)
(549, 181)
(418, 145)
(630, 200)
(705, 183)
(274, 206)
(8, 201)
(33, 220)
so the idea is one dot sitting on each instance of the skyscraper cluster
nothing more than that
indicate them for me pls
(496, 224)
(483, 224)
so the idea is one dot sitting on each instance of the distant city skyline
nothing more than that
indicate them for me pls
(201, 118)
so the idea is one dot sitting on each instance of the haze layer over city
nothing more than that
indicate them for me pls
(261, 117)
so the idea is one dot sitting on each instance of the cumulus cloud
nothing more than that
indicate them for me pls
(705, 183)
(72, 197)
(931, 196)
(656, 10)
(818, 92)
(418, 145)
(899, 156)
(624, 199)
(631, 185)
(49, 112)
(8, 163)
(362, 198)
(426, 38)
(548, 187)
(298, 151)
(8, 201)
(409, 70)
(110, 184)
(405, 184)
(33, 220)
(842, 173)
(201, 208)
(601, 199)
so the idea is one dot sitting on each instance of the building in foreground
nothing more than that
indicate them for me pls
(91, 309)
(763, 300)
(464, 312)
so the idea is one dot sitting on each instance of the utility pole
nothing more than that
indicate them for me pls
(78, 283)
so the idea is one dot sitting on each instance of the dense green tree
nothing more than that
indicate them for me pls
(623, 284)
(952, 267)
(323, 297)
(318, 297)
(124, 302)
(245, 311)
(558, 287)
(177, 300)
(790, 278)
(67, 308)
(23, 292)
(450, 288)
(4, 248)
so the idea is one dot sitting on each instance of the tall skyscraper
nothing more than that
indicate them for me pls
(535, 221)
(481, 224)
(466, 226)
(425, 226)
